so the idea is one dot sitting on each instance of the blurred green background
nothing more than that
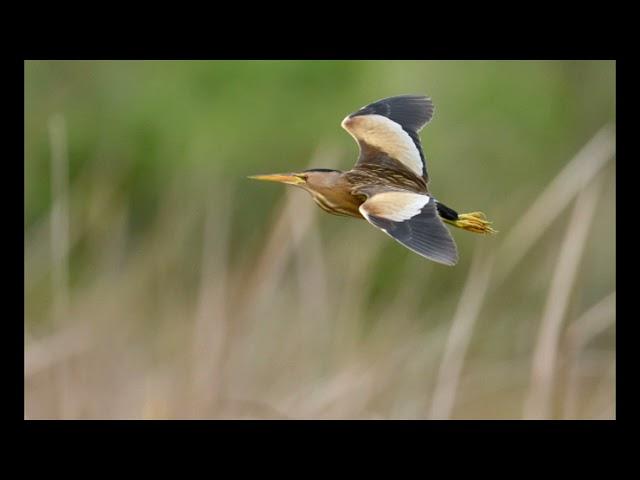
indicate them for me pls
(161, 283)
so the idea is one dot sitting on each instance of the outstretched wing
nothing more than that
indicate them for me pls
(412, 219)
(387, 132)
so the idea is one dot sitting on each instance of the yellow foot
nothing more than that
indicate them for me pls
(475, 222)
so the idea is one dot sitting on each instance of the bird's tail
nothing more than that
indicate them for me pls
(475, 222)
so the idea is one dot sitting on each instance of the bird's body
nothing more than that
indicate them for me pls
(342, 193)
(388, 185)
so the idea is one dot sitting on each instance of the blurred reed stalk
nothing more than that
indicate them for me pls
(210, 326)
(60, 248)
(310, 269)
(599, 318)
(460, 334)
(59, 217)
(56, 348)
(100, 184)
(538, 404)
(550, 204)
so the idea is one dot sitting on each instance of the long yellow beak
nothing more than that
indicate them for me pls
(288, 178)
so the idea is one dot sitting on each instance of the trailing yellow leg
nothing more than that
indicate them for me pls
(475, 222)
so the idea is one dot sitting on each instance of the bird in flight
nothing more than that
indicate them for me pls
(388, 184)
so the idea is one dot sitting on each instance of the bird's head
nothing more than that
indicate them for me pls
(314, 179)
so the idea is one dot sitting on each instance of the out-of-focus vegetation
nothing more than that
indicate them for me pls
(161, 283)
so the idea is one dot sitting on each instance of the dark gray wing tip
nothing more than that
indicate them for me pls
(412, 112)
(424, 234)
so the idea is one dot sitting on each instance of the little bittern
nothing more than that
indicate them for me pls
(388, 184)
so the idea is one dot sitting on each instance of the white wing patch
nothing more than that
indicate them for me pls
(412, 220)
(394, 206)
(387, 136)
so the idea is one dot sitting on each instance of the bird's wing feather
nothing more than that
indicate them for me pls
(412, 219)
(387, 130)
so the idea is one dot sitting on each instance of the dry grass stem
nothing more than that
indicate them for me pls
(588, 326)
(538, 402)
(460, 335)
(550, 204)
(59, 217)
